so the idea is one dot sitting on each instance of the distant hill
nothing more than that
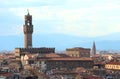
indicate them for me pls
(61, 41)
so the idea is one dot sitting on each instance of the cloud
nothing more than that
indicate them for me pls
(11, 30)
(73, 17)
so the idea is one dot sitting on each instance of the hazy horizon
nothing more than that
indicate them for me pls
(75, 18)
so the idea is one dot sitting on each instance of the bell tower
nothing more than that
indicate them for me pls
(93, 51)
(28, 30)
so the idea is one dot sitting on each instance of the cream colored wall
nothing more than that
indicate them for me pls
(112, 66)
(73, 53)
(82, 53)
(26, 57)
(17, 52)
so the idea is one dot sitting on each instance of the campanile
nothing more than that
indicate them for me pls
(93, 51)
(28, 30)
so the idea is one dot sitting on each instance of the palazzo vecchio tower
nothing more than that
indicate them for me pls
(28, 48)
(28, 30)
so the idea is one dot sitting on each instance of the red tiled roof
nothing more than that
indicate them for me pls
(64, 59)
(2, 57)
(52, 55)
(6, 74)
(71, 59)
(60, 57)
(114, 63)
(92, 77)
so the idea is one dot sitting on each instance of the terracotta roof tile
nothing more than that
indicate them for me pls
(114, 63)
(6, 74)
(71, 59)
(52, 55)
(92, 77)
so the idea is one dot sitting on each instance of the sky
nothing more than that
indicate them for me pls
(88, 18)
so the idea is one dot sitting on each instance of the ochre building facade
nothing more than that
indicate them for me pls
(78, 52)
(113, 65)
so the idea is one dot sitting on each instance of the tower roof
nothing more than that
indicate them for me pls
(94, 45)
(93, 51)
(28, 12)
